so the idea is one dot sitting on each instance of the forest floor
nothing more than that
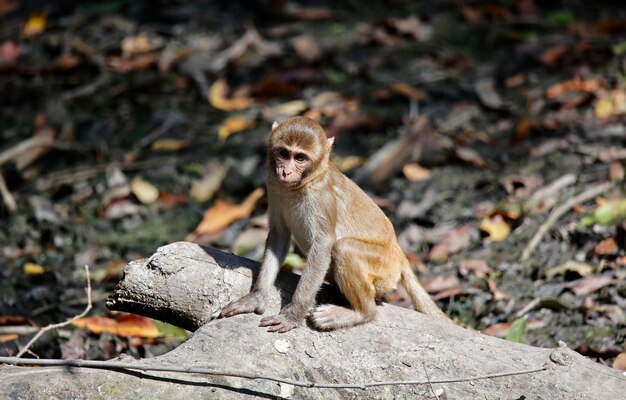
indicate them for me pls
(474, 125)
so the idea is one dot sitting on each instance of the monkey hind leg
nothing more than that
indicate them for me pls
(329, 317)
(357, 286)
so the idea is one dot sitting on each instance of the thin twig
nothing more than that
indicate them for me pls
(90, 88)
(114, 365)
(73, 175)
(430, 383)
(35, 141)
(240, 374)
(549, 191)
(61, 324)
(560, 211)
(7, 197)
(155, 134)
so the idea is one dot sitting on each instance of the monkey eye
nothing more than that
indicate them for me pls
(300, 157)
(282, 153)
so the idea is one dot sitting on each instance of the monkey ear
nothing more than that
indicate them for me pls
(331, 140)
(274, 126)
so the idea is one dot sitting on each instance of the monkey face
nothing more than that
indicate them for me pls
(298, 152)
(292, 164)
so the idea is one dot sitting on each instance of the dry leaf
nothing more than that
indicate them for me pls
(496, 228)
(415, 173)
(137, 63)
(581, 269)
(170, 144)
(31, 269)
(471, 156)
(282, 110)
(307, 47)
(8, 337)
(573, 85)
(125, 325)
(522, 129)
(515, 81)
(553, 54)
(411, 26)
(606, 247)
(408, 91)
(479, 267)
(347, 163)
(502, 329)
(440, 283)
(610, 104)
(67, 61)
(616, 171)
(140, 44)
(170, 200)
(204, 188)
(35, 24)
(590, 284)
(43, 131)
(452, 242)
(620, 362)
(9, 52)
(114, 269)
(145, 192)
(520, 186)
(223, 213)
(497, 293)
(8, 6)
(232, 125)
(218, 97)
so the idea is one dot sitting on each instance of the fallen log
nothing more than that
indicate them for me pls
(403, 354)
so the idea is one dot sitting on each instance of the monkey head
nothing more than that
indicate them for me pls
(298, 151)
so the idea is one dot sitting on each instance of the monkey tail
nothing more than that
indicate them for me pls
(419, 296)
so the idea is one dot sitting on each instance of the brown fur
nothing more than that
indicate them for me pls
(339, 228)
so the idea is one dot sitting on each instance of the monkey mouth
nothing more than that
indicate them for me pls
(287, 183)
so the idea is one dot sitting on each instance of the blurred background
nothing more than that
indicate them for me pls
(126, 125)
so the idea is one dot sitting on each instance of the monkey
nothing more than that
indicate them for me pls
(340, 229)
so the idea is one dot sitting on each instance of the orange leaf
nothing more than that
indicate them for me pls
(8, 337)
(126, 325)
(620, 362)
(35, 24)
(223, 213)
(553, 54)
(218, 97)
(234, 124)
(138, 63)
(606, 247)
(522, 129)
(573, 85)
(415, 173)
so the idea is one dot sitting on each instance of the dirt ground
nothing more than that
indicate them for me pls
(473, 125)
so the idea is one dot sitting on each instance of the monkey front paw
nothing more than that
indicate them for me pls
(252, 302)
(279, 323)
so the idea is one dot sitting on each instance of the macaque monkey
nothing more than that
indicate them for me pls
(339, 228)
